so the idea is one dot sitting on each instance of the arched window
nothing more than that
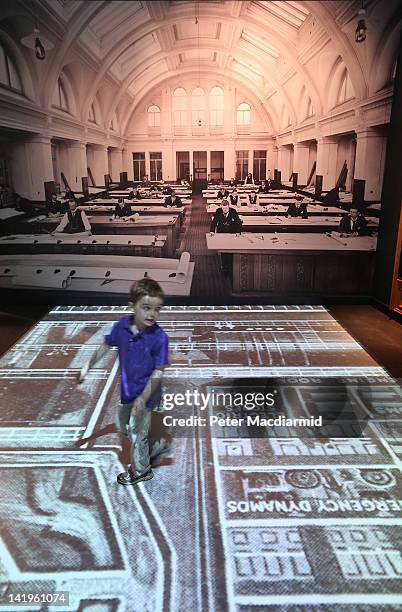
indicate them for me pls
(154, 116)
(310, 109)
(92, 115)
(60, 99)
(9, 76)
(216, 106)
(345, 88)
(244, 114)
(198, 106)
(180, 107)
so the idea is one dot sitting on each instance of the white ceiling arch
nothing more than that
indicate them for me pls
(286, 47)
(153, 60)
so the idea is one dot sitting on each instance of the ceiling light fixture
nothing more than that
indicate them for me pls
(39, 44)
(361, 29)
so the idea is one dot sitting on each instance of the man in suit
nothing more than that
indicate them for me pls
(354, 224)
(249, 179)
(167, 190)
(232, 182)
(74, 221)
(222, 193)
(264, 187)
(234, 198)
(298, 209)
(173, 200)
(225, 221)
(252, 197)
(122, 209)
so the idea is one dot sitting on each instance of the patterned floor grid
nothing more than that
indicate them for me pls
(258, 506)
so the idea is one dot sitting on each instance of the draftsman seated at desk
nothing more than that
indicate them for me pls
(354, 224)
(173, 200)
(297, 209)
(226, 220)
(74, 221)
(122, 209)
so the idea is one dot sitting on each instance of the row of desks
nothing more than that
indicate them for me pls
(108, 244)
(279, 209)
(167, 225)
(253, 223)
(133, 203)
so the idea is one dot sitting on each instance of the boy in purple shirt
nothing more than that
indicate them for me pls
(143, 355)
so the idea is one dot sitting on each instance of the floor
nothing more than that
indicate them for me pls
(241, 515)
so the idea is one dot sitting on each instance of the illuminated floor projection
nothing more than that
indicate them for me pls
(239, 516)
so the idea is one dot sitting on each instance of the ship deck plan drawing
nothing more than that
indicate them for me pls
(281, 490)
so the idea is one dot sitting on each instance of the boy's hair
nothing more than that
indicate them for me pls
(145, 286)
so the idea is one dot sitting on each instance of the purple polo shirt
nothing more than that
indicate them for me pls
(139, 355)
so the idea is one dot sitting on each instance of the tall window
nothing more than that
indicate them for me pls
(139, 166)
(243, 114)
(154, 116)
(260, 165)
(198, 107)
(310, 108)
(156, 166)
(241, 165)
(216, 105)
(217, 165)
(9, 76)
(180, 107)
(60, 99)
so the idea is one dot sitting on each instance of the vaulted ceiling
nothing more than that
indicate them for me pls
(262, 44)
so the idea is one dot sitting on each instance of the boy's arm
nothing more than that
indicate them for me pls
(98, 354)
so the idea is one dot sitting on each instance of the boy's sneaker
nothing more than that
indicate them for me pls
(128, 478)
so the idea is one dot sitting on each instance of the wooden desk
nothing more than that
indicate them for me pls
(93, 274)
(146, 245)
(98, 209)
(295, 224)
(166, 225)
(298, 264)
(142, 202)
(272, 210)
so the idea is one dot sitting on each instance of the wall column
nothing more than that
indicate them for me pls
(191, 158)
(77, 165)
(208, 163)
(284, 162)
(370, 159)
(100, 165)
(272, 161)
(116, 163)
(300, 162)
(128, 164)
(229, 160)
(326, 161)
(32, 163)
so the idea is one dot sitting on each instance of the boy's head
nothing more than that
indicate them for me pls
(146, 300)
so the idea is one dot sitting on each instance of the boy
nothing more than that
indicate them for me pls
(143, 354)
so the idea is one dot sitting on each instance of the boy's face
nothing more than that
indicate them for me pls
(146, 311)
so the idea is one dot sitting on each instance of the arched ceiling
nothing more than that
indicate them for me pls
(260, 43)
